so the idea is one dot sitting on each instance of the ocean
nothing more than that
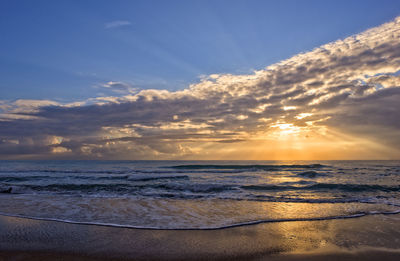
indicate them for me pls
(197, 194)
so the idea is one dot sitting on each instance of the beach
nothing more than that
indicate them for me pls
(216, 210)
(373, 237)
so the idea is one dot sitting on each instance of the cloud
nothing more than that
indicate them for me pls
(116, 24)
(338, 101)
(119, 87)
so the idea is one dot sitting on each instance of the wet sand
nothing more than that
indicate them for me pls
(366, 238)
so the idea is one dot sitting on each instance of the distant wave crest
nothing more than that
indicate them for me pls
(249, 167)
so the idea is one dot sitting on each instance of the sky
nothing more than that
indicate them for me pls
(262, 80)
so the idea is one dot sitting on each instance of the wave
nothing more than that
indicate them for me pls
(248, 167)
(111, 177)
(139, 177)
(120, 187)
(163, 191)
(77, 171)
(123, 187)
(196, 188)
(309, 174)
(328, 186)
(149, 178)
(212, 188)
(22, 178)
(239, 224)
(118, 172)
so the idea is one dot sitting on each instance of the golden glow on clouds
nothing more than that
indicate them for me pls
(303, 115)
(289, 108)
(60, 150)
(338, 101)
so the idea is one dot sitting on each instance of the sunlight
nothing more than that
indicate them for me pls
(289, 108)
(285, 129)
(303, 115)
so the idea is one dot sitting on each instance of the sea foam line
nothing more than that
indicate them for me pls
(249, 223)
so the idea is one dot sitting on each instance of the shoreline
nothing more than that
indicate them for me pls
(366, 238)
(244, 224)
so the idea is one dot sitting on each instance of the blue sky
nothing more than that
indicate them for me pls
(62, 50)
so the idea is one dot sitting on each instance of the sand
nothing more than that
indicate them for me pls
(367, 238)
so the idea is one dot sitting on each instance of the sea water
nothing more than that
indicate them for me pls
(197, 194)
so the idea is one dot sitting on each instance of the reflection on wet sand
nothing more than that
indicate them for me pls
(349, 237)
